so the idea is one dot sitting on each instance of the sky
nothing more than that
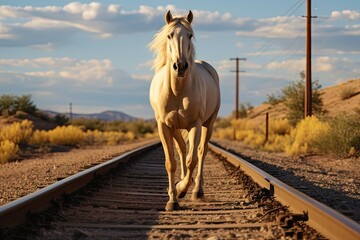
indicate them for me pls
(95, 55)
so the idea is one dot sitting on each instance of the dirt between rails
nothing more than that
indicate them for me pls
(334, 182)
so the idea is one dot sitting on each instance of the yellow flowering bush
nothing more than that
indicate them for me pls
(305, 132)
(17, 132)
(67, 135)
(8, 151)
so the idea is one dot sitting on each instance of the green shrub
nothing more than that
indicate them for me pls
(10, 104)
(343, 138)
(272, 99)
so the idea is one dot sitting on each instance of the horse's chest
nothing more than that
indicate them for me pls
(180, 114)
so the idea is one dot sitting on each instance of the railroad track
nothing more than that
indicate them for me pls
(128, 202)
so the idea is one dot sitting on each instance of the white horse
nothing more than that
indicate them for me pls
(184, 94)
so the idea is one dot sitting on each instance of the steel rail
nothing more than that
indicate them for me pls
(15, 212)
(324, 219)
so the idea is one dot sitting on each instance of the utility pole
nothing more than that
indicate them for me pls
(308, 84)
(70, 111)
(237, 71)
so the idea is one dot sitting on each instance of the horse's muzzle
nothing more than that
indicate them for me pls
(180, 67)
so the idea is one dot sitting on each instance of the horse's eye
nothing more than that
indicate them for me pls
(169, 36)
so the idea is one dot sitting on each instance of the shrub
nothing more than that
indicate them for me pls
(243, 110)
(346, 92)
(8, 151)
(222, 123)
(17, 132)
(305, 132)
(273, 100)
(242, 124)
(39, 137)
(67, 135)
(343, 137)
(10, 104)
(224, 133)
(293, 98)
(276, 143)
(279, 126)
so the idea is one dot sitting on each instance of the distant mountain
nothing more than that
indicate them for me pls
(106, 115)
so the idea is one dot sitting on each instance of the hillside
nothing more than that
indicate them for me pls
(331, 97)
(106, 115)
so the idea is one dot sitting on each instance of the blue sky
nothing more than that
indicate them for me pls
(95, 55)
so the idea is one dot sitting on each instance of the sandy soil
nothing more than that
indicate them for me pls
(20, 178)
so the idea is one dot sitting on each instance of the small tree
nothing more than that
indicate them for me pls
(293, 98)
(244, 108)
(7, 105)
(10, 104)
(24, 103)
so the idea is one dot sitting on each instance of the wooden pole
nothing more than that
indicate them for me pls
(308, 87)
(237, 71)
(267, 127)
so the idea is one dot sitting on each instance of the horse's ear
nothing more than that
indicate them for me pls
(190, 16)
(168, 17)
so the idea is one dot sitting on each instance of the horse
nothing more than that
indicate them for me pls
(185, 96)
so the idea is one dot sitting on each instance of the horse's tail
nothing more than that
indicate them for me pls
(210, 69)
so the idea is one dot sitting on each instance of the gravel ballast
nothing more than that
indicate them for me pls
(334, 182)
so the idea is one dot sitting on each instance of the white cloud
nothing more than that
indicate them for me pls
(45, 47)
(290, 65)
(89, 71)
(143, 77)
(346, 14)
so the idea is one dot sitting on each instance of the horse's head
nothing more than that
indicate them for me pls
(180, 49)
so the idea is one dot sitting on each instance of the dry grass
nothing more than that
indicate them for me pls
(282, 136)
(21, 133)
(331, 98)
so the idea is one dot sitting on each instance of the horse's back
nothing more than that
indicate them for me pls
(210, 69)
(211, 78)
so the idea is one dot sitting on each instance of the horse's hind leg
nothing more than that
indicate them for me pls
(206, 132)
(181, 149)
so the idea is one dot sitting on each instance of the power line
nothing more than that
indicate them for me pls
(289, 12)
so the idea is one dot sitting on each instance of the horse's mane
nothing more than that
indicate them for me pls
(158, 45)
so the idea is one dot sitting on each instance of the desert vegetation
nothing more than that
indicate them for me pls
(20, 134)
(337, 134)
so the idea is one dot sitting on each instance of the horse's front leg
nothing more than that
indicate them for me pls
(191, 160)
(166, 136)
(181, 149)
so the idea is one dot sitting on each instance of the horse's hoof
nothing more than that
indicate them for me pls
(197, 195)
(171, 206)
(180, 194)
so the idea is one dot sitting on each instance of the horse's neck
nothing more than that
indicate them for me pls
(178, 85)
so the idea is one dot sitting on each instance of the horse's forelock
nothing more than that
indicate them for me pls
(158, 45)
